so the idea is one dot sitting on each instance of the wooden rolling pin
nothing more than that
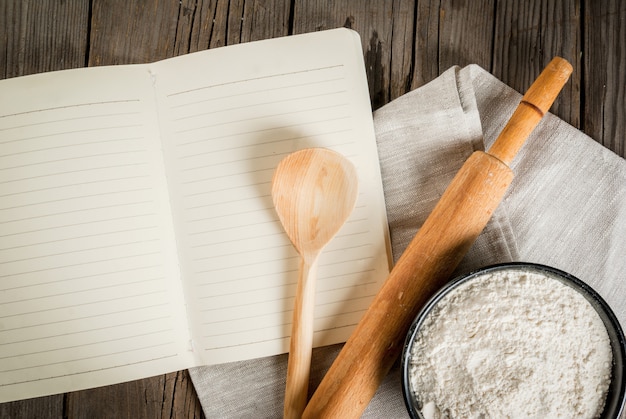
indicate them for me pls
(431, 257)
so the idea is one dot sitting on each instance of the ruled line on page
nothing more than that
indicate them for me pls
(57, 147)
(251, 92)
(83, 249)
(249, 277)
(278, 287)
(230, 201)
(75, 105)
(74, 158)
(75, 319)
(244, 344)
(67, 172)
(229, 175)
(239, 121)
(108, 354)
(273, 102)
(256, 236)
(106, 300)
(65, 239)
(281, 287)
(227, 188)
(70, 185)
(144, 361)
(89, 329)
(195, 233)
(252, 329)
(265, 77)
(105, 273)
(99, 194)
(78, 118)
(57, 134)
(212, 217)
(256, 131)
(82, 345)
(102, 287)
(80, 264)
(257, 143)
(270, 313)
(77, 224)
(218, 255)
(245, 265)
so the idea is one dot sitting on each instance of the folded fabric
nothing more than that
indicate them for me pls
(565, 208)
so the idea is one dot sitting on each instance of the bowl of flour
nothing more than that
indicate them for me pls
(515, 340)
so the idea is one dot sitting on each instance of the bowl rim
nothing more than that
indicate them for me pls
(610, 320)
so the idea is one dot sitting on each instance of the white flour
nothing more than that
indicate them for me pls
(512, 345)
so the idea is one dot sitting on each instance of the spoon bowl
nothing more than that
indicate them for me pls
(314, 192)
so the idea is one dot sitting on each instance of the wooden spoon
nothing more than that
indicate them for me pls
(314, 191)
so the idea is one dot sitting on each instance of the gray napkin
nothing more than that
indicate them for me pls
(566, 208)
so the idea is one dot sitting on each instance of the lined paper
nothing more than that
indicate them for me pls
(225, 133)
(88, 275)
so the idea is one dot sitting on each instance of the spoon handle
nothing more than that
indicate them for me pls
(300, 347)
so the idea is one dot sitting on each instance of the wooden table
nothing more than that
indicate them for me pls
(406, 43)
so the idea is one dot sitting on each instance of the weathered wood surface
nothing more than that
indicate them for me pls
(406, 43)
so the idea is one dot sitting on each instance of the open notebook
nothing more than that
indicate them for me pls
(137, 233)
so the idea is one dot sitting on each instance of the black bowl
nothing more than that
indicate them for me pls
(616, 396)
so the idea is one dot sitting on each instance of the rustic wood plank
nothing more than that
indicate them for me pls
(264, 19)
(528, 35)
(41, 408)
(382, 25)
(201, 25)
(451, 33)
(605, 73)
(207, 24)
(426, 61)
(132, 32)
(465, 33)
(165, 396)
(402, 55)
(42, 35)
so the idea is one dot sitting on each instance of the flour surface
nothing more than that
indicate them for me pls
(512, 345)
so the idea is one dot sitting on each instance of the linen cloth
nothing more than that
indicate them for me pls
(565, 208)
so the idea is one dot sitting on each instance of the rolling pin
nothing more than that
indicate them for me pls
(430, 258)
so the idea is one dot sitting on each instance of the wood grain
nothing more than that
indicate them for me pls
(523, 47)
(465, 33)
(426, 43)
(132, 32)
(50, 407)
(38, 36)
(165, 396)
(605, 73)
(406, 43)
